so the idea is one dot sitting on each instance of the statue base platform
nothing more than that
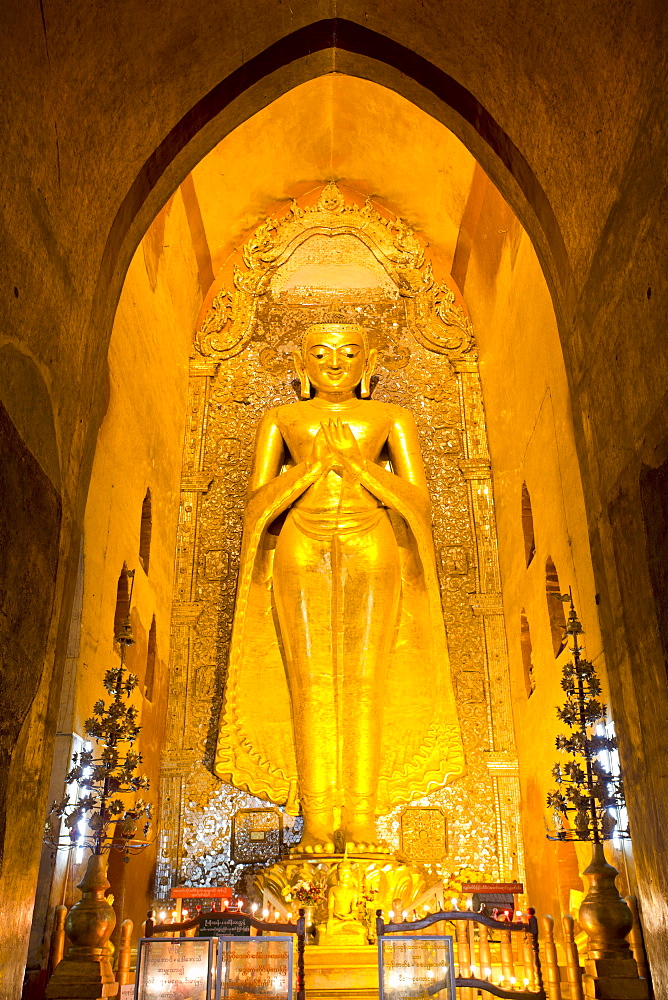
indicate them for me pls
(355, 935)
(82, 980)
(341, 973)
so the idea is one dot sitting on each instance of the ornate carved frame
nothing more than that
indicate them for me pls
(434, 319)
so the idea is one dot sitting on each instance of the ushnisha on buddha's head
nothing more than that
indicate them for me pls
(335, 359)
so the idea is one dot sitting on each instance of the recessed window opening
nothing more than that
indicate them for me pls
(527, 526)
(527, 654)
(610, 761)
(122, 600)
(149, 676)
(555, 607)
(145, 530)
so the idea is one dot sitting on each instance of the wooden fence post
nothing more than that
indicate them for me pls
(573, 970)
(552, 978)
(57, 938)
(507, 963)
(125, 953)
(636, 939)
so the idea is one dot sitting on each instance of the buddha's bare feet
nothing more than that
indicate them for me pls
(317, 837)
(360, 834)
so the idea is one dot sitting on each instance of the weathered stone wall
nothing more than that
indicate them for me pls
(30, 514)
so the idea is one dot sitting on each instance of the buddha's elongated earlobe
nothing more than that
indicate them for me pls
(365, 384)
(305, 382)
(305, 385)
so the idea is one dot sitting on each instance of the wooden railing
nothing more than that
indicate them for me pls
(497, 957)
(124, 974)
(501, 960)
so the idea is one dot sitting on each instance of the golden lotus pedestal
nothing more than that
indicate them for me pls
(341, 973)
(393, 883)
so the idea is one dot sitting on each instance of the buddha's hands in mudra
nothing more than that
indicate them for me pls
(335, 448)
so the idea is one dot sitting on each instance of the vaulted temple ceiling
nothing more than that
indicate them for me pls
(343, 128)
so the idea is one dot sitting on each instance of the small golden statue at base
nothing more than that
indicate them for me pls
(343, 928)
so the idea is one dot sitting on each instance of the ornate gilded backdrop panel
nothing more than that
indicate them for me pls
(336, 253)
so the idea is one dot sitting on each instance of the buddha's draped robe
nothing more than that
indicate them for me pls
(420, 743)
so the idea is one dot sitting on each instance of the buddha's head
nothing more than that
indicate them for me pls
(335, 359)
(345, 873)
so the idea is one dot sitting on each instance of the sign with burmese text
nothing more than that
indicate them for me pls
(416, 968)
(174, 969)
(514, 888)
(225, 925)
(256, 968)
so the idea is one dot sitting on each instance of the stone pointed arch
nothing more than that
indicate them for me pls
(321, 47)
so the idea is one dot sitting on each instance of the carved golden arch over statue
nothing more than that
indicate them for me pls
(434, 318)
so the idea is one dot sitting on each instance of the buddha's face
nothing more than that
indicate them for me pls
(335, 359)
(345, 874)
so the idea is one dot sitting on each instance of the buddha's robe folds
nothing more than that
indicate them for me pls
(420, 743)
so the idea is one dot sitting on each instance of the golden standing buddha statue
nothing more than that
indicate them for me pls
(338, 695)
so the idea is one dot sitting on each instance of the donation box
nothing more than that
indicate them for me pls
(174, 969)
(416, 968)
(256, 968)
(215, 968)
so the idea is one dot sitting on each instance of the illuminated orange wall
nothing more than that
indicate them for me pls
(139, 447)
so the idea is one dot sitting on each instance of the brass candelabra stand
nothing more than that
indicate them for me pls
(108, 799)
(590, 792)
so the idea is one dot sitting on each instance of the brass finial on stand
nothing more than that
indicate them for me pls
(86, 969)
